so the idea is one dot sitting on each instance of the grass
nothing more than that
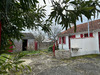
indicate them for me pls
(30, 52)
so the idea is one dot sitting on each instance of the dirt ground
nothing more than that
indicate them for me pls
(46, 64)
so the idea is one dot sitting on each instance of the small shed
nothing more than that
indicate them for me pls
(24, 44)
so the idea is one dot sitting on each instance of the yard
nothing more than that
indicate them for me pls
(45, 64)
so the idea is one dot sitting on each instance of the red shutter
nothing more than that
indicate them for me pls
(59, 40)
(73, 36)
(91, 34)
(86, 35)
(64, 40)
(81, 35)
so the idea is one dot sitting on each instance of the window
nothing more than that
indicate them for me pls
(86, 35)
(81, 35)
(64, 40)
(91, 34)
(59, 40)
(73, 36)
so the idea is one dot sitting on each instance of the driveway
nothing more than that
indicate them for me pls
(46, 64)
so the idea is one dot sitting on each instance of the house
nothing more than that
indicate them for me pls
(79, 43)
(24, 44)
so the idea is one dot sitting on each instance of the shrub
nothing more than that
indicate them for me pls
(50, 49)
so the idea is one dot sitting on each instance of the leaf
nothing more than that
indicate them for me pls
(18, 62)
(29, 68)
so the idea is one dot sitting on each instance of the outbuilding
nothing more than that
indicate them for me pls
(86, 40)
(24, 44)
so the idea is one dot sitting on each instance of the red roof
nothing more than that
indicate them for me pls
(93, 25)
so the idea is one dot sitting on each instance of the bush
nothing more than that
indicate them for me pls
(50, 49)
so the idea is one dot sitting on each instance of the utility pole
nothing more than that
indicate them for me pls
(88, 29)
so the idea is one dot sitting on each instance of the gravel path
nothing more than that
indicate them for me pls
(45, 64)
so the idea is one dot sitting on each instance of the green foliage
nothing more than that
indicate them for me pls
(11, 64)
(66, 17)
(50, 49)
(30, 52)
(17, 15)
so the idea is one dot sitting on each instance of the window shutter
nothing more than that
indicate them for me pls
(73, 36)
(64, 40)
(59, 40)
(81, 35)
(86, 35)
(91, 34)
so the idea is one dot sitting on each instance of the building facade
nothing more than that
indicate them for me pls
(24, 44)
(79, 43)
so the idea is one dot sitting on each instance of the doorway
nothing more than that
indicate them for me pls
(24, 46)
(99, 39)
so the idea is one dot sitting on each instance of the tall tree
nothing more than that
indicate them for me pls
(55, 30)
(17, 15)
(65, 16)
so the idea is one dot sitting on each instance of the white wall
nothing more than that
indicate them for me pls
(87, 45)
(65, 46)
(77, 36)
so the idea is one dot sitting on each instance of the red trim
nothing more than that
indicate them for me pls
(69, 41)
(59, 40)
(73, 36)
(81, 35)
(86, 35)
(53, 49)
(64, 40)
(91, 34)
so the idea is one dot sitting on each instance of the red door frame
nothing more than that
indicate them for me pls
(69, 41)
(99, 39)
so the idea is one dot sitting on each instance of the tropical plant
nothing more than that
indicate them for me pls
(12, 64)
(66, 17)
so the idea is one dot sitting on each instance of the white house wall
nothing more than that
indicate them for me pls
(86, 45)
(77, 36)
(65, 46)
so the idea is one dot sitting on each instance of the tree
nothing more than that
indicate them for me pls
(16, 16)
(65, 16)
(55, 30)
(39, 37)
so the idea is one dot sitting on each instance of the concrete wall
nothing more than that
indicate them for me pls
(18, 46)
(30, 44)
(44, 45)
(88, 45)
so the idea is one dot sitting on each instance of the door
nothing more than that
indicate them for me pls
(24, 46)
(99, 40)
(69, 41)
